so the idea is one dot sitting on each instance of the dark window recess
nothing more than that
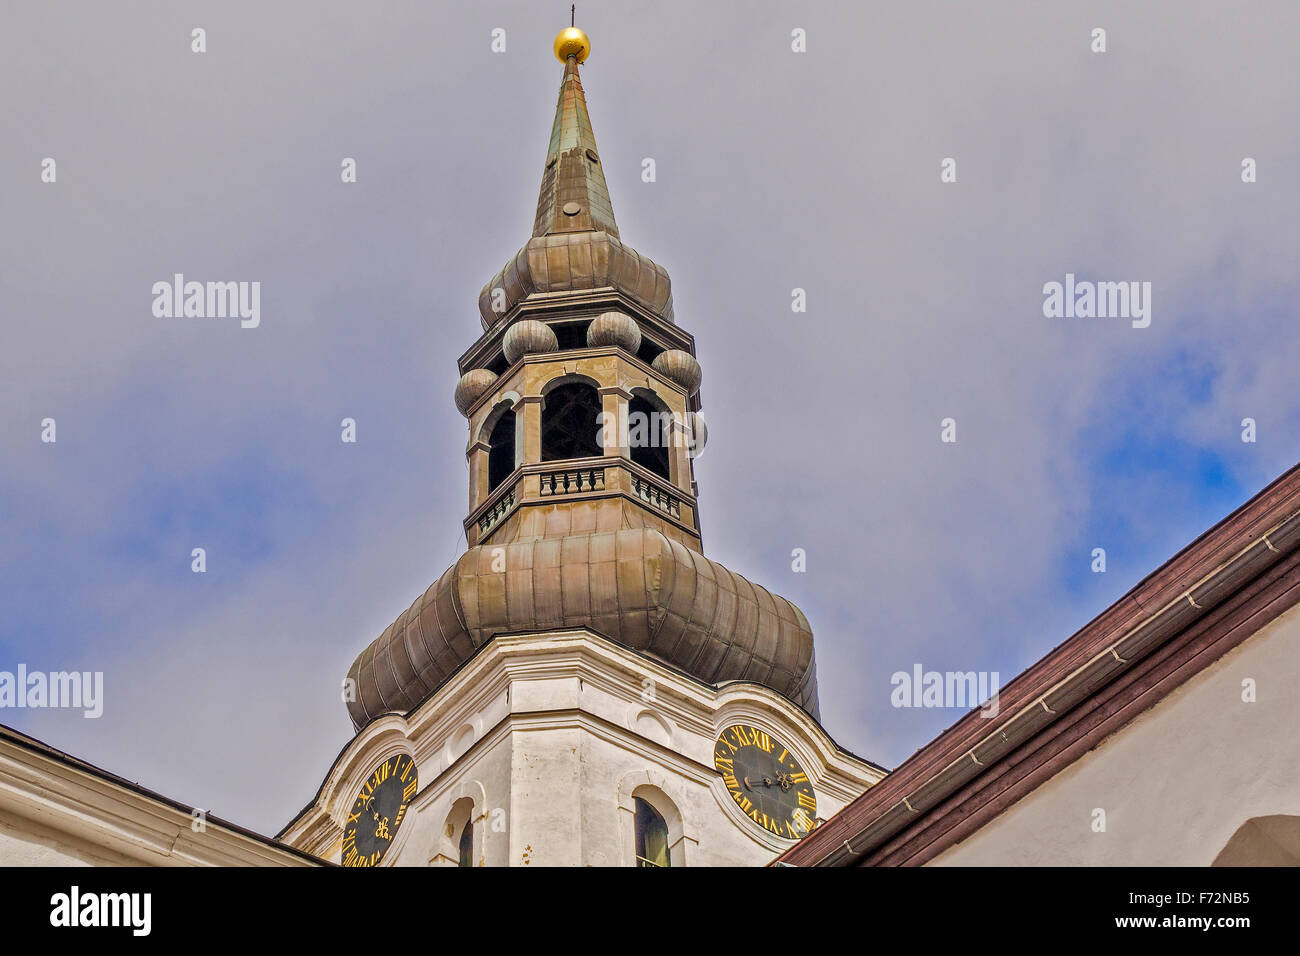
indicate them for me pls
(570, 421)
(466, 845)
(571, 335)
(648, 351)
(648, 434)
(501, 450)
(651, 835)
(498, 364)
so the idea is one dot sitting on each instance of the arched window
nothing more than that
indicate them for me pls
(649, 432)
(651, 835)
(501, 449)
(570, 421)
(456, 844)
(467, 844)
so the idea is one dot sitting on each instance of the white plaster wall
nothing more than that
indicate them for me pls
(483, 776)
(564, 732)
(559, 788)
(546, 801)
(26, 843)
(1177, 781)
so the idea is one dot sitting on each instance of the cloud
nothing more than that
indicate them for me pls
(775, 171)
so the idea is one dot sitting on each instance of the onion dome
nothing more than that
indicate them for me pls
(636, 587)
(575, 244)
(528, 337)
(471, 387)
(615, 328)
(680, 367)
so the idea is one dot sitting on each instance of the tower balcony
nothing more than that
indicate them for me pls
(557, 498)
(579, 425)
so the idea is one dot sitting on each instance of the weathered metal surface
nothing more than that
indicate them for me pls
(635, 587)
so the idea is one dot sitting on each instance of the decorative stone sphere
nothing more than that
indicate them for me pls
(471, 387)
(572, 42)
(679, 367)
(615, 328)
(528, 338)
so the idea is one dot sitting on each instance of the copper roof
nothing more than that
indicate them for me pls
(634, 586)
(575, 243)
(573, 171)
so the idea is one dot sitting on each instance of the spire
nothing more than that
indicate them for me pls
(574, 197)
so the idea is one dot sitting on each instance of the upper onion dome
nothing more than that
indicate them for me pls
(575, 243)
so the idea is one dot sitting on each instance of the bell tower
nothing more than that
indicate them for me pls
(583, 685)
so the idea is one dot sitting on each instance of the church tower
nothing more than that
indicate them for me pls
(583, 686)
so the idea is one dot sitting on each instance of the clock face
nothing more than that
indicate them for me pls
(378, 811)
(766, 781)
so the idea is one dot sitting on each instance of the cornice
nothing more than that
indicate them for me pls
(67, 796)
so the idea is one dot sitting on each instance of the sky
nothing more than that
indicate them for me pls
(775, 170)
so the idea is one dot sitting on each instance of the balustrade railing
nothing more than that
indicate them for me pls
(656, 497)
(489, 518)
(572, 481)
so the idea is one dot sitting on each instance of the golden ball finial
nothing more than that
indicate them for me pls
(571, 42)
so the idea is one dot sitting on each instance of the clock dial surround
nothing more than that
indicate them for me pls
(765, 781)
(378, 811)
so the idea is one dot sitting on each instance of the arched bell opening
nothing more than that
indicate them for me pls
(649, 433)
(571, 420)
(501, 449)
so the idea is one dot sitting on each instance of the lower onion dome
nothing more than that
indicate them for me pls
(636, 587)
